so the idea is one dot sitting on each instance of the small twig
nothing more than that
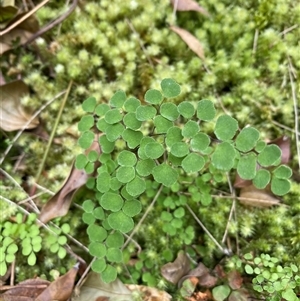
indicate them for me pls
(284, 32)
(84, 274)
(284, 126)
(143, 217)
(134, 242)
(12, 26)
(174, 11)
(32, 204)
(139, 40)
(232, 209)
(255, 41)
(52, 23)
(223, 250)
(26, 124)
(41, 166)
(295, 111)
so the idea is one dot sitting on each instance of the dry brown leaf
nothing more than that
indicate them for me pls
(284, 144)
(12, 114)
(94, 289)
(174, 271)
(149, 293)
(235, 280)
(191, 41)
(61, 289)
(188, 5)
(26, 290)
(21, 33)
(262, 198)
(60, 203)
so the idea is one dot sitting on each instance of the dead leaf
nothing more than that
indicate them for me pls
(174, 271)
(239, 295)
(12, 114)
(20, 34)
(235, 280)
(59, 204)
(191, 41)
(26, 290)
(188, 5)
(284, 144)
(61, 289)
(262, 198)
(149, 293)
(94, 289)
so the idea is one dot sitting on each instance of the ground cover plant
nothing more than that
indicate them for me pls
(85, 77)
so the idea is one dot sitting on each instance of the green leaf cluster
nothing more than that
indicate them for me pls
(21, 237)
(164, 142)
(272, 279)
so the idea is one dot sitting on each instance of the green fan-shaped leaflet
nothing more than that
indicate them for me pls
(269, 155)
(173, 135)
(118, 99)
(153, 96)
(165, 174)
(223, 156)
(206, 110)
(169, 111)
(246, 167)
(226, 127)
(193, 163)
(186, 109)
(162, 124)
(89, 104)
(190, 129)
(170, 88)
(247, 139)
(111, 201)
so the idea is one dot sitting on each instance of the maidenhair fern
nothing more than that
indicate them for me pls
(158, 141)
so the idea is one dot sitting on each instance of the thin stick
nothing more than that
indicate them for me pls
(32, 203)
(255, 41)
(53, 133)
(143, 217)
(223, 250)
(52, 23)
(27, 123)
(174, 11)
(231, 210)
(139, 40)
(295, 111)
(23, 18)
(84, 274)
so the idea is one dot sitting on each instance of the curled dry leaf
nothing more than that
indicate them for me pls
(21, 33)
(59, 204)
(251, 196)
(149, 293)
(12, 114)
(188, 5)
(235, 280)
(61, 289)
(94, 289)
(191, 41)
(26, 290)
(174, 271)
